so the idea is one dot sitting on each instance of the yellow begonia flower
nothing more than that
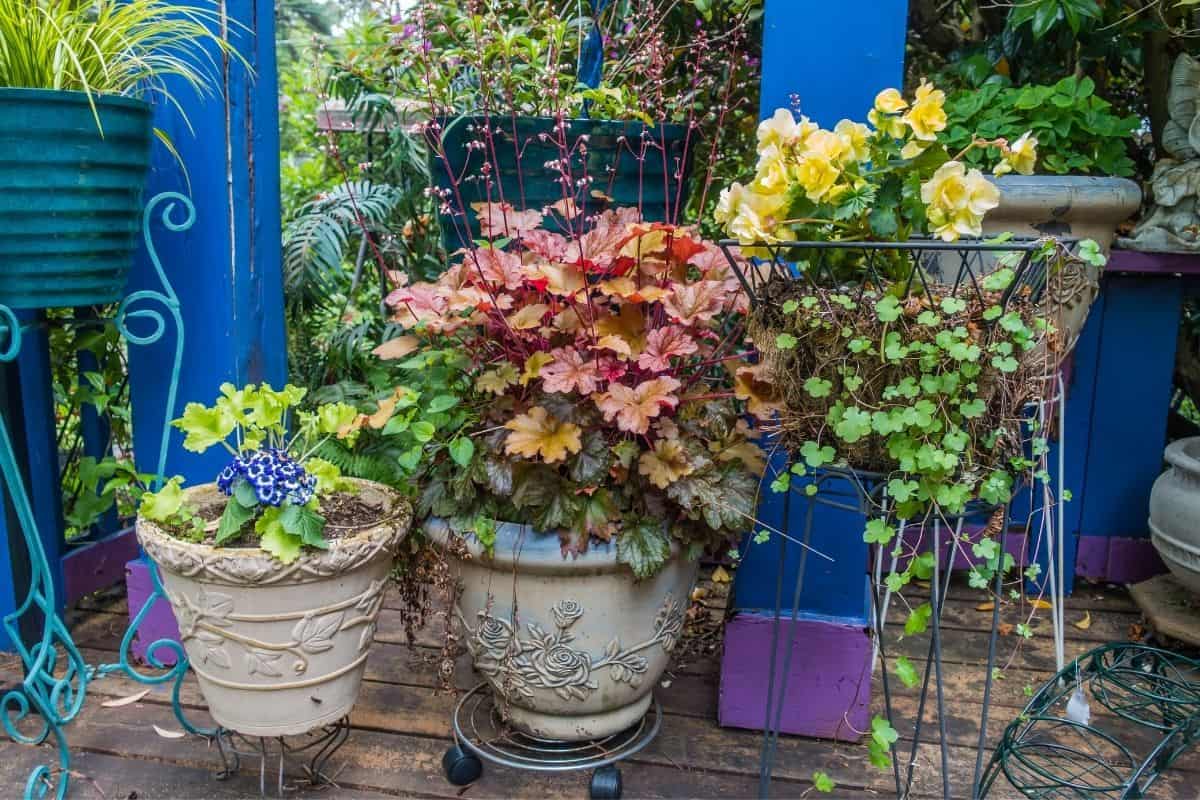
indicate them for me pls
(772, 172)
(748, 215)
(891, 124)
(957, 200)
(826, 144)
(926, 117)
(817, 174)
(1020, 156)
(854, 136)
(890, 101)
(782, 130)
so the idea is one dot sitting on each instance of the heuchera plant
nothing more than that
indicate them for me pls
(272, 479)
(857, 182)
(609, 390)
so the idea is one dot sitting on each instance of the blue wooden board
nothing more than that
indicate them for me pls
(1133, 390)
(227, 268)
(805, 53)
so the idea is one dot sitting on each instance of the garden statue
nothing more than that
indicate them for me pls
(1172, 222)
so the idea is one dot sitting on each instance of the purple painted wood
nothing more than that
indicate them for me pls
(829, 688)
(98, 565)
(1154, 263)
(159, 623)
(1117, 559)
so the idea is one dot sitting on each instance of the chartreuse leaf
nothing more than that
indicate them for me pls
(643, 545)
(878, 531)
(906, 672)
(918, 619)
(883, 736)
(163, 505)
(274, 538)
(822, 782)
(328, 475)
(204, 427)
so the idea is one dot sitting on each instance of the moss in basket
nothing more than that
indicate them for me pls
(278, 494)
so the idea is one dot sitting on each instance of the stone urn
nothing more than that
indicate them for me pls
(1073, 206)
(571, 646)
(279, 649)
(1175, 512)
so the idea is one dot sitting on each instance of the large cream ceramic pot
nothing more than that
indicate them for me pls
(571, 646)
(1175, 512)
(279, 649)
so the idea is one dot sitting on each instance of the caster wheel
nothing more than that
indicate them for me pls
(460, 766)
(606, 784)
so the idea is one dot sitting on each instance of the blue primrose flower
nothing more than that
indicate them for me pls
(273, 474)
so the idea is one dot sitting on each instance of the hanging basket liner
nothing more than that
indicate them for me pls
(70, 196)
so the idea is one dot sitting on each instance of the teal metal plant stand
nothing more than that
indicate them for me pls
(56, 675)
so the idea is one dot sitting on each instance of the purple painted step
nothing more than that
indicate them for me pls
(829, 685)
(159, 623)
(1117, 559)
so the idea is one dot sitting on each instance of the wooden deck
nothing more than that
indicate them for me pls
(402, 723)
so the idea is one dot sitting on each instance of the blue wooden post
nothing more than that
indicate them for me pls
(28, 405)
(834, 62)
(227, 268)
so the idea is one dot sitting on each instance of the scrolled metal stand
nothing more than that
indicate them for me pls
(481, 734)
(56, 690)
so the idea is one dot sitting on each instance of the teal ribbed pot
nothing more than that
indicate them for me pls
(70, 197)
(524, 145)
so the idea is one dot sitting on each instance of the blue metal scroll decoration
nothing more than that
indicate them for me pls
(56, 675)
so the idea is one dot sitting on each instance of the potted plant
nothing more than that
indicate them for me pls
(889, 364)
(1080, 185)
(76, 137)
(606, 450)
(541, 107)
(276, 572)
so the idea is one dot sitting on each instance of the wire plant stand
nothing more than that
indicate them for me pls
(481, 734)
(930, 267)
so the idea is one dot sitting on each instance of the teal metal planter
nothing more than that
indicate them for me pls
(70, 196)
(629, 163)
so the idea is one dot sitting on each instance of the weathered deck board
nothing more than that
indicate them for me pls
(402, 723)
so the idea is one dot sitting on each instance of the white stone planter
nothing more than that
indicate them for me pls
(279, 649)
(1175, 512)
(572, 647)
(1066, 206)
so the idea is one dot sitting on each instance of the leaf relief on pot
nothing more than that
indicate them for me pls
(211, 619)
(545, 659)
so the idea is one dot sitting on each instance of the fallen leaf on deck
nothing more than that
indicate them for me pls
(125, 701)
(166, 734)
(699, 593)
(1084, 623)
(721, 575)
(1005, 629)
(1039, 603)
(985, 607)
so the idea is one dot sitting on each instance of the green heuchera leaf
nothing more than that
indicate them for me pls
(878, 531)
(815, 455)
(163, 505)
(888, 309)
(204, 426)
(785, 341)
(643, 545)
(817, 387)
(274, 539)
(332, 417)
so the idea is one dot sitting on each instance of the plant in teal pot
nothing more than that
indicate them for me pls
(75, 140)
(596, 105)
